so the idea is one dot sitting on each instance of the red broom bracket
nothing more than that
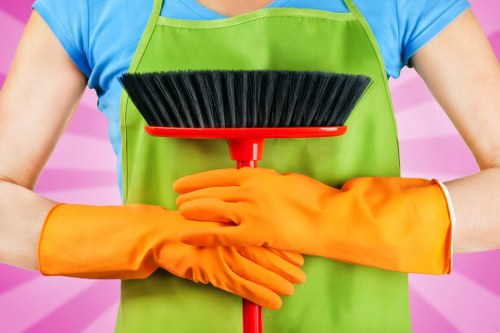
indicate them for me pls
(246, 152)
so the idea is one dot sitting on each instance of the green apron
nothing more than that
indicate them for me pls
(337, 297)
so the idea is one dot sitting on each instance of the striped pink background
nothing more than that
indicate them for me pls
(82, 171)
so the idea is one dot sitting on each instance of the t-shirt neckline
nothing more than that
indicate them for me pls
(209, 14)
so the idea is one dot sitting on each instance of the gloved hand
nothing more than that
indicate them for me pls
(132, 241)
(392, 223)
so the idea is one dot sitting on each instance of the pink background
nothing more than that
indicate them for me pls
(82, 170)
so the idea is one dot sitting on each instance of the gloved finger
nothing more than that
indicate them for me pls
(216, 178)
(260, 275)
(209, 209)
(226, 193)
(267, 259)
(252, 292)
(222, 236)
(212, 178)
(292, 257)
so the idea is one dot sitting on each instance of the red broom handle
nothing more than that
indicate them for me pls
(252, 313)
(246, 153)
(252, 317)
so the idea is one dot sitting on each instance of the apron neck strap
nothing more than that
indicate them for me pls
(148, 32)
(350, 5)
(157, 8)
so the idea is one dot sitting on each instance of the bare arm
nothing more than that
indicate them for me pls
(463, 74)
(39, 96)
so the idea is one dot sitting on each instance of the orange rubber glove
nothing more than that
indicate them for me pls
(132, 241)
(392, 223)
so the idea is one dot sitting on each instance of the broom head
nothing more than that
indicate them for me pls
(244, 99)
(245, 107)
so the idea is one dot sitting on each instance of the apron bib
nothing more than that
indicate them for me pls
(337, 297)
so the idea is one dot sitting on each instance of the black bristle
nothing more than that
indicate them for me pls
(205, 99)
(192, 103)
(280, 102)
(294, 97)
(223, 99)
(242, 91)
(167, 107)
(269, 88)
(186, 110)
(142, 97)
(229, 89)
(218, 94)
(306, 97)
(255, 84)
(313, 115)
(330, 101)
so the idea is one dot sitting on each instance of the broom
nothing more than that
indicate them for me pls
(245, 108)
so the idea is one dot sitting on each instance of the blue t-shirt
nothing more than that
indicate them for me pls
(101, 36)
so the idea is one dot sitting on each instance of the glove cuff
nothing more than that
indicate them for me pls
(451, 215)
(42, 255)
(100, 242)
(394, 223)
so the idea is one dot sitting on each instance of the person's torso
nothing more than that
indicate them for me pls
(337, 296)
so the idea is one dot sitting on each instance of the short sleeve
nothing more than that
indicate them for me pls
(69, 22)
(420, 21)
